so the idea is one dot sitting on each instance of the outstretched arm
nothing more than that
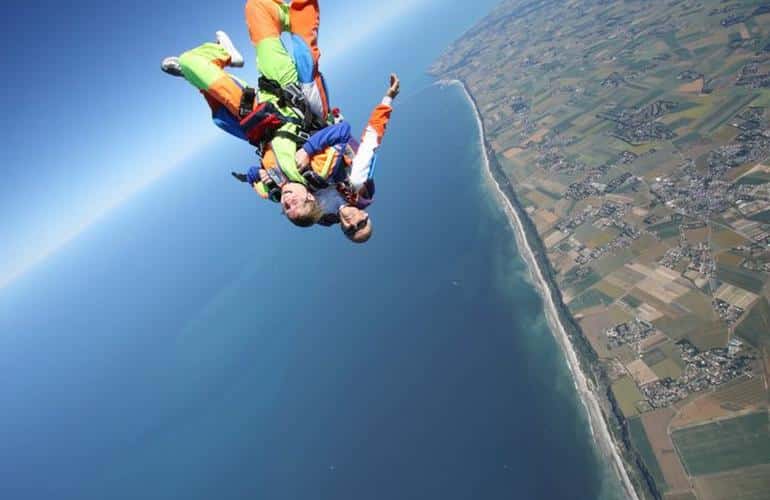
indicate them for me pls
(362, 168)
(258, 179)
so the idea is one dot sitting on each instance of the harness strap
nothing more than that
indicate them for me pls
(300, 138)
(247, 102)
(292, 96)
(314, 180)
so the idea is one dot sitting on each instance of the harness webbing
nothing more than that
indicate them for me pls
(292, 96)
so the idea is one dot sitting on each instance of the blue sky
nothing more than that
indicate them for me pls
(90, 120)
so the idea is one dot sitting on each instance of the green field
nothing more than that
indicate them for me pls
(667, 369)
(756, 326)
(742, 278)
(632, 301)
(591, 298)
(710, 335)
(727, 110)
(673, 352)
(579, 285)
(681, 496)
(743, 393)
(764, 96)
(698, 304)
(643, 446)
(613, 262)
(593, 237)
(752, 483)
(678, 328)
(763, 217)
(725, 445)
(653, 357)
(666, 230)
(628, 395)
(755, 179)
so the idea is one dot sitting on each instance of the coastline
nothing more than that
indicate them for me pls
(588, 394)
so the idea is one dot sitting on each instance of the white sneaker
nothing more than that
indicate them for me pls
(171, 66)
(236, 59)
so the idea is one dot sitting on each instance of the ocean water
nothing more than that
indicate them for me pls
(192, 345)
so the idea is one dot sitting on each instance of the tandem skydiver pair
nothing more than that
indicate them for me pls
(310, 163)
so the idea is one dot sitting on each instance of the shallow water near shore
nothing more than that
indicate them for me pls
(176, 365)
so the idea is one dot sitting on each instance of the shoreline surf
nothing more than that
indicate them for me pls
(589, 399)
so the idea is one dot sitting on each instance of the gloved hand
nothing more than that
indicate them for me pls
(255, 174)
(395, 86)
(240, 177)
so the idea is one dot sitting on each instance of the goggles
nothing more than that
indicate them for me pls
(354, 228)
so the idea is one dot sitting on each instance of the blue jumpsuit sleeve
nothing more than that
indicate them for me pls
(328, 136)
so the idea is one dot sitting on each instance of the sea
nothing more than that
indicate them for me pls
(192, 344)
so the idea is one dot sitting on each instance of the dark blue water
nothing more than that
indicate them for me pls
(191, 347)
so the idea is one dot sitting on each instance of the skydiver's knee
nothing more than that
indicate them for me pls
(262, 5)
(187, 60)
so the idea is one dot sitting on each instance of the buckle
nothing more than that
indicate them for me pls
(295, 95)
(247, 102)
(313, 179)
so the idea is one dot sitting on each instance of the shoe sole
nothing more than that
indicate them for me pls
(236, 59)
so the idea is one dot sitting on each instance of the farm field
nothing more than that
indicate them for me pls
(756, 326)
(637, 137)
(725, 445)
(642, 444)
(656, 427)
(736, 396)
(751, 483)
(628, 395)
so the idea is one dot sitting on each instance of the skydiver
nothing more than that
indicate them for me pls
(228, 96)
(347, 168)
(204, 68)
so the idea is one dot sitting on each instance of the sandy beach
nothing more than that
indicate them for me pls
(589, 399)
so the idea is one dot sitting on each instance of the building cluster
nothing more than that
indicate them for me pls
(568, 225)
(689, 75)
(613, 81)
(555, 161)
(722, 10)
(729, 313)
(702, 370)
(631, 332)
(627, 157)
(641, 126)
(751, 145)
(752, 78)
(756, 265)
(519, 105)
(698, 195)
(589, 186)
(583, 189)
(734, 19)
(624, 240)
(608, 215)
(700, 257)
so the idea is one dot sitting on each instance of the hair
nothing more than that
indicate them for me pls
(312, 214)
(362, 235)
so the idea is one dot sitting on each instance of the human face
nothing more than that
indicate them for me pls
(355, 223)
(294, 198)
